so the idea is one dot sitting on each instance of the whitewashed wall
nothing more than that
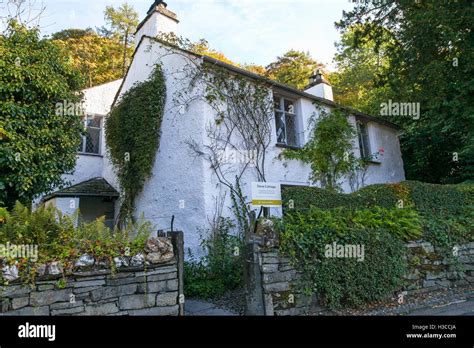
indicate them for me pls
(97, 100)
(176, 186)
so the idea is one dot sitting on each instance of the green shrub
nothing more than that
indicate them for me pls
(372, 216)
(402, 223)
(221, 269)
(425, 198)
(445, 211)
(441, 199)
(447, 231)
(59, 239)
(45, 227)
(345, 281)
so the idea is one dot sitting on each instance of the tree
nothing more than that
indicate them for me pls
(99, 59)
(202, 47)
(123, 24)
(67, 34)
(431, 58)
(256, 69)
(294, 68)
(359, 81)
(38, 143)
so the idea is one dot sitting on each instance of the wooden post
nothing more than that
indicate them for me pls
(177, 238)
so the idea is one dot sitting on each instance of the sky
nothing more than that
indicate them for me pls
(246, 31)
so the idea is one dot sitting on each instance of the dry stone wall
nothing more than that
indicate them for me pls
(430, 268)
(150, 290)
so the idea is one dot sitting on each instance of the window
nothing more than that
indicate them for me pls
(285, 118)
(364, 144)
(90, 142)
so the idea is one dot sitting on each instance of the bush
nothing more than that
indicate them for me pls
(404, 224)
(221, 270)
(345, 281)
(425, 198)
(59, 239)
(446, 211)
(373, 217)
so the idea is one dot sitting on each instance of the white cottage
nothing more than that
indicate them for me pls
(183, 185)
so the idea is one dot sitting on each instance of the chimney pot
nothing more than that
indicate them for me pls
(318, 86)
(158, 20)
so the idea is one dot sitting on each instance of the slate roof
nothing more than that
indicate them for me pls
(97, 187)
(254, 76)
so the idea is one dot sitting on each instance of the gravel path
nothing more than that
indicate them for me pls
(452, 301)
(449, 301)
(231, 303)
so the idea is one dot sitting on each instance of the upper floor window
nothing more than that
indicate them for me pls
(90, 142)
(285, 118)
(364, 143)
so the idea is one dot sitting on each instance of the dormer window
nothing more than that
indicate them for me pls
(285, 119)
(90, 143)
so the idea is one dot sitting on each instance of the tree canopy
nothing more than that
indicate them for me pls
(429, 57)
(123, 23)
(99, 59)
(294, 68)
(38, 144)
(105, 55)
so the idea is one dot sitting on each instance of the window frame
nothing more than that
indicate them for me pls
(83, 149)
(281, 110)
(364, 140)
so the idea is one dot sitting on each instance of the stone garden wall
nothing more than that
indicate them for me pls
(432, 268)
(146, 284)
(280, 282)
(130, 291)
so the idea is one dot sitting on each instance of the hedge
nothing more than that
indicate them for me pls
(341, 282)
(423, 197)
(373, 217)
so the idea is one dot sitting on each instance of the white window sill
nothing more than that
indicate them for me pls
(89, 154)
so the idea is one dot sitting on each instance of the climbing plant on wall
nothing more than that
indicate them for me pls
(329, 152)
(132, 133)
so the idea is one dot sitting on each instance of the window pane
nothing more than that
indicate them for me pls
(276, 103)
(291, 134)
(280, 127)
(93, 121)
(289, 106)
(81, 146)
(364, 140)
(92, 140)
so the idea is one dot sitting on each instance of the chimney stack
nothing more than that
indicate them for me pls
(158, 20)
(319, 87)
